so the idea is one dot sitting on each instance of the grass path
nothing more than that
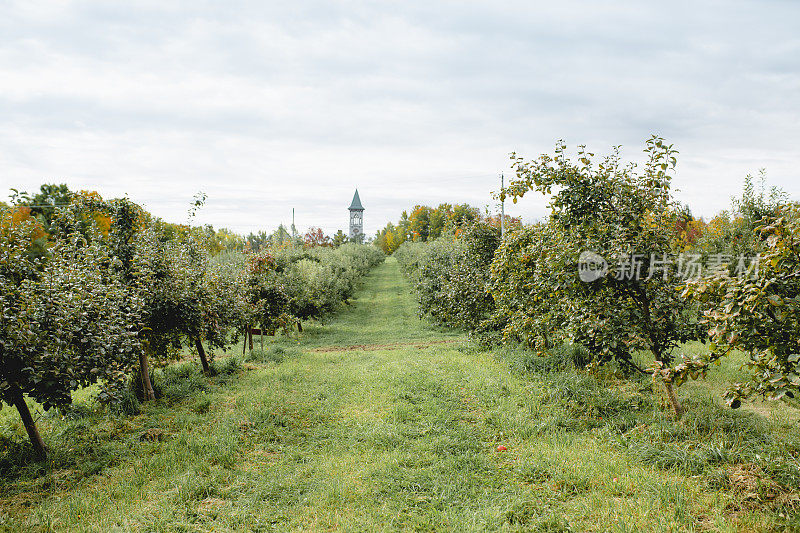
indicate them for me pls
(383, 312)
(376, 421)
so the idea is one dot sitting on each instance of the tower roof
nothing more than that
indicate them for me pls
(356, 204)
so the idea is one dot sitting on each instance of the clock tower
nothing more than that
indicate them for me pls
(356, 219)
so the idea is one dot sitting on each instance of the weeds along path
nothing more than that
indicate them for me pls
(376, 421)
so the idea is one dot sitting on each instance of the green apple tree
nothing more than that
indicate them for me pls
(624, 216)
(66, 322)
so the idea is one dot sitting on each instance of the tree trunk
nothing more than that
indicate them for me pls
(27, 420)
(673, 399)
(244, 341)
(299, 327)
(250, 336)
(202, 353)
(671, 396)
(144, 368)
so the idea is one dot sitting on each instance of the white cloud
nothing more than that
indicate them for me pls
(269, 106)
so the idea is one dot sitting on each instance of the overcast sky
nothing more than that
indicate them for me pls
(266, 106)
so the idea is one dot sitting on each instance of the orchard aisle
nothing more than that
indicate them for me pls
(380, 420)
(383, 312)
(375, 421)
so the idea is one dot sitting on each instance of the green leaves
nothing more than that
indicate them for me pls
(69, 322)
(613, 210)
(450, 275)
(284, 285)
(113, 286)
(759, 314)
(775, 299)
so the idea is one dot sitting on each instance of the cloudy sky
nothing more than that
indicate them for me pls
(267, 105)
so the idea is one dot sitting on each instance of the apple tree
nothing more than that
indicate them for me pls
(757, 311)
(66, 322)
(626, 217)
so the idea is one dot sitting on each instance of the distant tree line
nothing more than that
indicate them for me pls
(424, 223)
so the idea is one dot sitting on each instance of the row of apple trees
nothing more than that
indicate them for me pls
(107, 291)
(653, 276)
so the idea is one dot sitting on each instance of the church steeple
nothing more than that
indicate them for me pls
(356, 219)
(356, 204)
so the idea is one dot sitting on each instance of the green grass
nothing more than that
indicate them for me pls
(371, 423)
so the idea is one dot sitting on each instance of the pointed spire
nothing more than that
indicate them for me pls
(356, 205)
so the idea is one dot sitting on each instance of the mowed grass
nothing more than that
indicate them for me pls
(378, 421)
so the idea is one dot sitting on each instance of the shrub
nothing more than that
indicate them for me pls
(619, 214)
(66, 322)
(450, 275)
(758, 313)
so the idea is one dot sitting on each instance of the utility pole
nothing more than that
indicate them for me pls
(502, 209)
